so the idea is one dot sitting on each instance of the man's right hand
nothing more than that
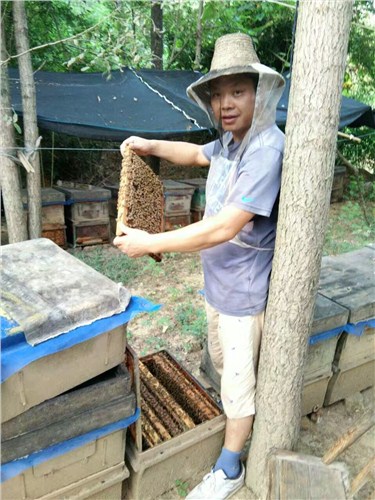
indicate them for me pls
(139, 145)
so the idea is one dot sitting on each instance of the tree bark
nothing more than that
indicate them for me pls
(198, 46)
(29, 119)
(311, 130)
(157, 34)
(9, 172)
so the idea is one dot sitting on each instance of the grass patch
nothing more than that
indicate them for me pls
(191, 320)
(117, 267)
(347, 228)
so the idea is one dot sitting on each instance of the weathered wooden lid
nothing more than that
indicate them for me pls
(328, 315)
(348, 280)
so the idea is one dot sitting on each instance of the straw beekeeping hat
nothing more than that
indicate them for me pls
(233, 54)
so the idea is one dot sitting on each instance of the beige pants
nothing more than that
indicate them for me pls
(233, 345)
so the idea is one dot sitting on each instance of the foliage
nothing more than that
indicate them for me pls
(182, 488)
(270, 26)
(360, 71)
(119, 32)
(361, 156)
(114, 34)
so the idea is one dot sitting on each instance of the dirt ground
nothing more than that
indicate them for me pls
(149, 333)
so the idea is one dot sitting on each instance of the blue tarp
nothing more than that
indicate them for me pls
(149, 103)
(359, 328)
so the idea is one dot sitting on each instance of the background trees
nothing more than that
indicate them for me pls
(103, 35)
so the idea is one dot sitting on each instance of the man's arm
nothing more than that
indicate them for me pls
(181, 153)
(198, 236)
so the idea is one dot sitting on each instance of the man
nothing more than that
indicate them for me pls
(237, 234)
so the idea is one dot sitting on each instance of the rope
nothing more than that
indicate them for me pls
(167, 100)
(115, 150)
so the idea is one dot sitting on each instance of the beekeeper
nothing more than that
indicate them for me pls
(237, 234)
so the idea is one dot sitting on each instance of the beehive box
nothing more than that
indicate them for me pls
(112, 206)
(84, 233)
(153, 471)
(175, 221)
(177, 198)
(47, 377)
(52, 205)
(347, 279)
(197, 215)
(86, 213)
(47, 292)
(354, 366)
(198, 201)
(101, 401)
(328, 324)
(95, 470)
(55, 233)
(337, 192)
(53, 218)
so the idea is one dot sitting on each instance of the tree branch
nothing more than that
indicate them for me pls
(60, 41)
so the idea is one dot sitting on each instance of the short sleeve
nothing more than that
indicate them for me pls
(208, 149)
(258, 182)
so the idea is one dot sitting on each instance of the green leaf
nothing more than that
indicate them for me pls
(17, 127)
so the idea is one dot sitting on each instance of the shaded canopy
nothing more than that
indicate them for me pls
(149, 103)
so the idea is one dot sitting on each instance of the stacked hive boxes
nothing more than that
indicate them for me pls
(177, 203)
(86, 213)
(53, 220)
(198, 201)
(348, 280)
(328, 324)
(66, 397)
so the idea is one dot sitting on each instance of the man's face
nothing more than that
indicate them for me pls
(232, 101)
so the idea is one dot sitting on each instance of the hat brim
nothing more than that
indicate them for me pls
(199, 91)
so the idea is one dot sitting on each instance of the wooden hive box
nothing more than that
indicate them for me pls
(100, 401)
(153, 471)
(177, 204)
(198, 201)
(347, 279)
(95, 470)
(59, 312)
(53, 218)
(86, 213)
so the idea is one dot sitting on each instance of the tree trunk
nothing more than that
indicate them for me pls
(29, 119)
(157, 34)
(198, 46)
(9, 174)
(311, 131)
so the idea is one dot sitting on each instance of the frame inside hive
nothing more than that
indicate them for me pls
(171, 400)
(141, 198)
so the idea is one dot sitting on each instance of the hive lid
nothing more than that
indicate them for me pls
(47, 292)
(75, 191)
(50, 196)
(348, 280)
(328, 315)
(171, 186)
(199, 183)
